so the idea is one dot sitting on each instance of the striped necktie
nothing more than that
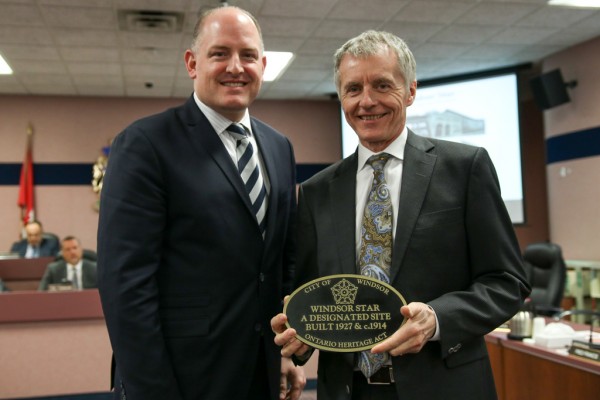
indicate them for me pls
(375, 256)
(250, 172)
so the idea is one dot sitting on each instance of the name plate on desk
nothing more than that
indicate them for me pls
(344, 313)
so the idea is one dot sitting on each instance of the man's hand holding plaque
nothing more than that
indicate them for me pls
(341, 313)
(286, 337)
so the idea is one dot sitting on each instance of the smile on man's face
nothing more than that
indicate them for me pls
(228, 65)
(374, 98)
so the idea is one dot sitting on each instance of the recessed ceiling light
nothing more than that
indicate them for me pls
(5, 69)
(277, 61)
(575, 3)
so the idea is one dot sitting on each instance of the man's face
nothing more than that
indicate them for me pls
(34, 234)
(228, 64)
(374, 98)
(71, 251)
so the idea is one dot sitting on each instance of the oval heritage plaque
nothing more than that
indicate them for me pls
(344, 313)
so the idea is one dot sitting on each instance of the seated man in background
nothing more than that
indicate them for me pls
(71, 267)
(35, 245)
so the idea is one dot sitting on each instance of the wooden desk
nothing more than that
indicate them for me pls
(53, 343)
(529, 372)
(23, 273)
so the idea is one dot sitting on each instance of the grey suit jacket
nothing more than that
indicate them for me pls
(56, 272)
(454, 248)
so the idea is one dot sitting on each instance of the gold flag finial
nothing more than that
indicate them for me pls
(29, 129)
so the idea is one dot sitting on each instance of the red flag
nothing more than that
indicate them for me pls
(26, 201)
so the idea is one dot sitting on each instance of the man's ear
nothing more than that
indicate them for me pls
(412, 93)
(190, 63)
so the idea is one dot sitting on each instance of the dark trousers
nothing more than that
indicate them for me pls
(260, 383)
(362, 390)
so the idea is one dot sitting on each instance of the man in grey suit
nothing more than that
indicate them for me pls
(454, 254)
(192, 265)
(71, 267)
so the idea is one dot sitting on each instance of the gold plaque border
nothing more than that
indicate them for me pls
(355, 276)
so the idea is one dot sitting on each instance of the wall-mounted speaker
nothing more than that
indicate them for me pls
(550, 90)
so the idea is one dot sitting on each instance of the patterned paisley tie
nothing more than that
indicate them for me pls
(376, 245)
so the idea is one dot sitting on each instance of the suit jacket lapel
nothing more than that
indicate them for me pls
(265, 148)
(206, 141)
(342, 203)
(62, 271)
(417, 169)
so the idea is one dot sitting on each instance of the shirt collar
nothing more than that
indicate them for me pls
(396, 149)
(219, 122)
(76, 266)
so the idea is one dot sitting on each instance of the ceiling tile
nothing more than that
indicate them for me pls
(377, 10)
(97, 80)
(84, 54)
(24, 35)
(433, 11)
(495, 14)
(145, 70)
(343, 29)
(85, 37)
(447, 37)
(157, 5)
(413, 32)
(521, 35)
(153, 56)
(304, 8)
(553, 17)
(26, 52)
(21, 14)
(97, 68)
(46, 67)
(468, 34)
(151, 40)
(286, 27)
(321, 46)
(80, 17)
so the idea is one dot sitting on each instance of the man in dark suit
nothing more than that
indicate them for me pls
(35, 245)
(454, 254)
(190, 269)
(71, 267)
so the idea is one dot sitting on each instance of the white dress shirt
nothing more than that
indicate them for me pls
(393, 178)
(77, 267)
(220, 125)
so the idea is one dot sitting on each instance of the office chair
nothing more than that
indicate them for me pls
(51, 236)
(547, 273)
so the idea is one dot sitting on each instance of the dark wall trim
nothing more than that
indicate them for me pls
(81, 174)
(574, 145)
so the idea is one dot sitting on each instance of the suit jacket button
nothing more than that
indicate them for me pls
(257, 327)
(261, 277)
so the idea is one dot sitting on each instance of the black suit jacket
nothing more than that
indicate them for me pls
(454, 248)
(56, 272)
(48, 247)
(187, 283)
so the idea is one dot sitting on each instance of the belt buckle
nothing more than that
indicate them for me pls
(390, 372)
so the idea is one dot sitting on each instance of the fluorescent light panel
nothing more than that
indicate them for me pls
(5, 69)
(575, 3)
(277, 61)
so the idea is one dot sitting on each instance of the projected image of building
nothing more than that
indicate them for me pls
(445, 124)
